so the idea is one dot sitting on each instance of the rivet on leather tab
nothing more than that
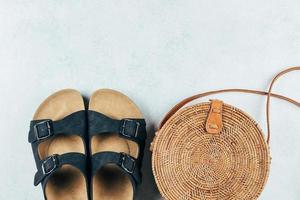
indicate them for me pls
(214, 120)
(213, 126)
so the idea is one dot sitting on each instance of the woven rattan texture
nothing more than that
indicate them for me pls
(189, 163)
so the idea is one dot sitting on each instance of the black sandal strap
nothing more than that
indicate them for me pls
(41, 130)
(131, 129)
(52, 163)
(126, 162)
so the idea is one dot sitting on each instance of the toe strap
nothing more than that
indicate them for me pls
(126, 163)
(41, 130)
(49, 165)
(131, 129)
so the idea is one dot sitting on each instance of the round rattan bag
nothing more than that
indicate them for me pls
(211, 151)
(190, 163)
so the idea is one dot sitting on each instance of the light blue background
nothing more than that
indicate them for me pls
(157, 52)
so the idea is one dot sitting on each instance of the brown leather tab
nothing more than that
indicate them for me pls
(214, 120)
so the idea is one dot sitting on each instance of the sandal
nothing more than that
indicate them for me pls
(117, 135)
(57, 136)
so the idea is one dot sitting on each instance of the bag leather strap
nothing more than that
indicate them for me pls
(280, 74)
(269, 94)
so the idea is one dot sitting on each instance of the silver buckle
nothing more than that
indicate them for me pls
(124, 128)
(53, 160)
(123, 160)
(36, 130)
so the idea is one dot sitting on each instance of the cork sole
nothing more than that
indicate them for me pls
(110, 183)
(68, 183)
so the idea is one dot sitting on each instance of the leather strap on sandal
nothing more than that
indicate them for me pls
(131, 129)
(41, 130)
(126, 162)
(52, 163)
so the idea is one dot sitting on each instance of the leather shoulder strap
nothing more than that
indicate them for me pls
(269, 94)
(280, 74)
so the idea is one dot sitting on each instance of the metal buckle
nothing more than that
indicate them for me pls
(125, 121)
(123, 159)
(49, 130)
(53, 161)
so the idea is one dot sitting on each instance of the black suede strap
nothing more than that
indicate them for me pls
(131, 129)
(41, 130)
(126, 163)
(73, 124)
(52, 163)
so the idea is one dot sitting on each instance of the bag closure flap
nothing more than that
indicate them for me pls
(214, 120)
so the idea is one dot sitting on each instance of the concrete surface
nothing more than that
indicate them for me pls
(157, 52)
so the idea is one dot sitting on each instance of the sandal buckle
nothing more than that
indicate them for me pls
(49, 165)
(127, 163)
(43, 127)
(124, 125)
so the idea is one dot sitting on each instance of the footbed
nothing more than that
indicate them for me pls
(67, 183)
(110, 183)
